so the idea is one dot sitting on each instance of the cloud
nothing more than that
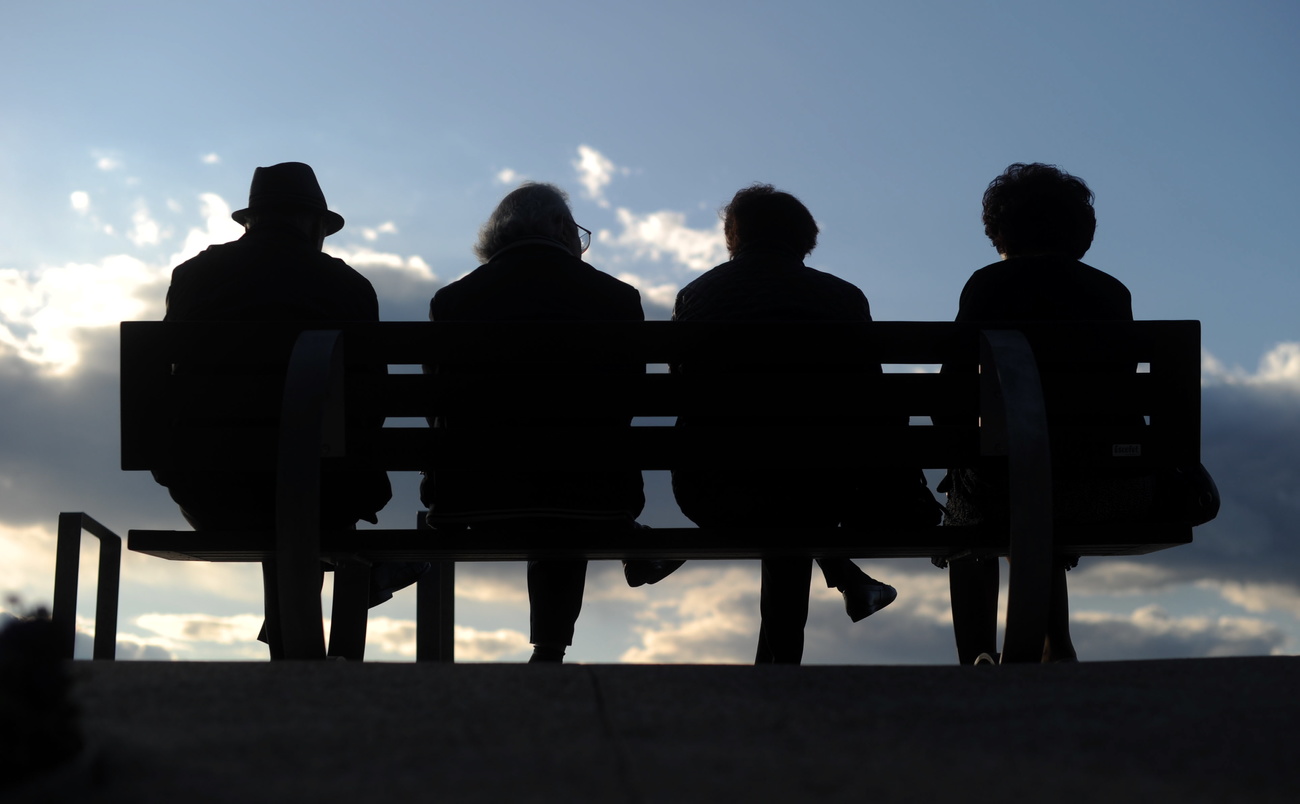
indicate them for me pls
(508, 176)
(1280, 366)
(210, 159)
(373, 233)
(107, 163)
(1151, 632)
(595, 172)
(80, 201)
(651, 236)
(41, 311)
(145, 231)
(663, 294)
(489, 646)
(189, 628)
(1258, 597)
(711, 617)
(366, 257)
(217, 228)
(665, 234)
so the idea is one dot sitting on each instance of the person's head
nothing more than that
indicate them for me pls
(534, 211)
(288, 195)
(762, 216)
(1034, 209)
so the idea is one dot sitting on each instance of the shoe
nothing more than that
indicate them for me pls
(546, 654)
(985, 658)
(639, 572)
(388, 577)
(865, 598)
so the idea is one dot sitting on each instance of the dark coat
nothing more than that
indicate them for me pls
(764, 285)
(270, 274)
(535, 282)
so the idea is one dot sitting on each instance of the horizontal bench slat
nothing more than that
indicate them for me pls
(724, 543)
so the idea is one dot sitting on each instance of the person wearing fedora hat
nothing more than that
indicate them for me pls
(277, 272)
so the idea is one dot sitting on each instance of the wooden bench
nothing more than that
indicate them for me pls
(1003, 404)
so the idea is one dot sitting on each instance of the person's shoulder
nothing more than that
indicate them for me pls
(1101, 277)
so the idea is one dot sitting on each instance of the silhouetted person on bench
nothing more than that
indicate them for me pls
(769, 233)
(532, 270)
(1041, 220)
(277, 272)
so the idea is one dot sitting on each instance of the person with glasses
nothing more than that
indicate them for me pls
(532, 270)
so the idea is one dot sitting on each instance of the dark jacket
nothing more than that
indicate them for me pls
(534, 282)
(270, 274)
(1045, 288)
(764, 285)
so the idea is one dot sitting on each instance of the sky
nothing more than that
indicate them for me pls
(129, 131)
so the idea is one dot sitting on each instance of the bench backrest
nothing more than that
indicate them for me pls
(790, 380)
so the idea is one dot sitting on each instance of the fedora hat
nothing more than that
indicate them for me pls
(288, 186)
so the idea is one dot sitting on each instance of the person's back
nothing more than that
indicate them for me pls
(274, 272)
(1041, 220)
(764, 284)
(769, 233)
(277, 272)
(532, 270)
(534, 282)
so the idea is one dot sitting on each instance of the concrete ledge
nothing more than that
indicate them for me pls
(1185, 730)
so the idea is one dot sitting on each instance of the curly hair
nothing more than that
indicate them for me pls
(760, 214)
(533, 209)
(1039, 209)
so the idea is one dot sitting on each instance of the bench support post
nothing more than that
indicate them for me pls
(311, 425)
(1015, 424)
(67, 564)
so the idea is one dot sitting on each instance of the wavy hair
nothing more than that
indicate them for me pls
(1039, 209)
(533, 210)
(761, 215)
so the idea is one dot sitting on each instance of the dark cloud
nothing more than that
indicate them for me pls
(1251, 446)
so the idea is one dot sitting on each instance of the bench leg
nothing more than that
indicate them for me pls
(435, 629)
(350, 613)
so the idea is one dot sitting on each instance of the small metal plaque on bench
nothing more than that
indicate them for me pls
(1125, 450)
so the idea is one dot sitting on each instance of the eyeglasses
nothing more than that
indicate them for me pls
(584, 237)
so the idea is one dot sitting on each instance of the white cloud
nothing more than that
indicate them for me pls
(665, 233)
(1121, 577)
(595, 172)
(490, 587)
(40, 313)
(663, 294)
(107, 163)
(180, 629)
(365, 257)
(1279, 367)
(1258, 597)
(1151, 631)
(80, 201)
(712, 620)
(217, 228)
(373, 233)
(489, 646)
(145, 231)
(508, 176)
(210, 159)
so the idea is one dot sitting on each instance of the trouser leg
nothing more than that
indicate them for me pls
(271, 607)
(839, 572)
(783, 608)
(555, 600)
(1059, 647)
(973, 584)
